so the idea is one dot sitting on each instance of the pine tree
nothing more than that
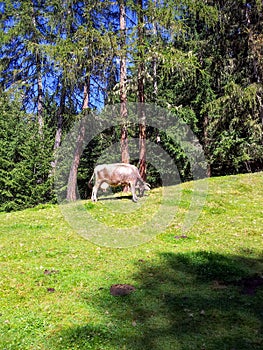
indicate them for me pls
(141, 92)
(123, 89)
(24, 157)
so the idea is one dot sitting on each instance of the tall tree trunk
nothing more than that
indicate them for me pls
(86, 93)
(38, 58)
(260, 102)
(72, 179)
(141, 95)
(206, 144)
(60, 118)
(123, 93)
(155, 85)
(39, 94)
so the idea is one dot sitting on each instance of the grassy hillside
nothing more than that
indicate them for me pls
(200, 289)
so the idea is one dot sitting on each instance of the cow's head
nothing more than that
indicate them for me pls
(142, 187)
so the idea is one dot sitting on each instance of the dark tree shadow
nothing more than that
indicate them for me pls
(182, 301)
(198, 301)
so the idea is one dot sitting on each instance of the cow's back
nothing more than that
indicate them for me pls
(116, 173)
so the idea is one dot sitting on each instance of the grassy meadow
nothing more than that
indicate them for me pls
(201, 289)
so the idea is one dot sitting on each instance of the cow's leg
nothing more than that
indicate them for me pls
(138, 186)
(133, 191)
(94, 193)
(95, 190)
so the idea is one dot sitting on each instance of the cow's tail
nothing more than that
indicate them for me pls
(90, 181)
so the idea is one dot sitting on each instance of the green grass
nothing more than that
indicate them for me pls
(54, 284)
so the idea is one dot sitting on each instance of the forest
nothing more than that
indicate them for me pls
(62, 60)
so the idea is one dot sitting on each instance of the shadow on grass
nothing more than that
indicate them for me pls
(113, 198)
(183, 301)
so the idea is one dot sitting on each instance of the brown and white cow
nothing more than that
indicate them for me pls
(115, 175)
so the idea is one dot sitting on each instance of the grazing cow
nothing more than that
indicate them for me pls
(115, 175)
